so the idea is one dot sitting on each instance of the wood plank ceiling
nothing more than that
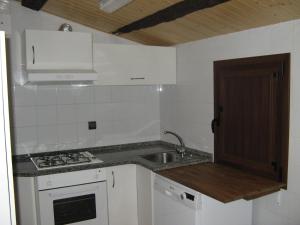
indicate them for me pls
(232, 16)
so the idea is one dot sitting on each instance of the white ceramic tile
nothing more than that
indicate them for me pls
(104, 112)
(121, 94)
(46, 95)
(47, 148)
(67, 134)
(84, 94)
(104, 133)
(25, 140)
(66, 114)
(46, 115)
(65, 95)
(85, 112)
(124, 111)
(86, 137)
(24, 95)
(47, 135)
(102, 94)
(24, 116)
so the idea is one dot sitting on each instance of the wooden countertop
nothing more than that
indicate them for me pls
(221, 182)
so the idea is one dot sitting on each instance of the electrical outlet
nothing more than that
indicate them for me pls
(92, 125)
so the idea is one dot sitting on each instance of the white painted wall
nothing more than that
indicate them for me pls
(54, 117)
(188, 107)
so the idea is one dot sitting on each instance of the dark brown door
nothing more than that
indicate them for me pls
(250, 117)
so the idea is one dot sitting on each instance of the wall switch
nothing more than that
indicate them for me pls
(92, 125)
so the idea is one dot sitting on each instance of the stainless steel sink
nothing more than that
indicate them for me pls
(163, 157)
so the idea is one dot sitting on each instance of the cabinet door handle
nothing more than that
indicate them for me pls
(114, 181)
(137, 78)
(33, 55)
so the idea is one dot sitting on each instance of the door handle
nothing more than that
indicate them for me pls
(114, 181)
(216, 121)
(33, 55)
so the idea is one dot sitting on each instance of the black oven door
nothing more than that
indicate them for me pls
(74, 209)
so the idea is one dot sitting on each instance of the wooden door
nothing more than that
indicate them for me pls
(251, 114)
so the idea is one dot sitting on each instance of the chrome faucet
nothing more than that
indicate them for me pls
(181, 149)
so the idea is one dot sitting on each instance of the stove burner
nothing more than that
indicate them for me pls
(63, 159)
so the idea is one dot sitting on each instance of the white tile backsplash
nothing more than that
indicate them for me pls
(24, 96)
(65, 95)
(25, 139)
(66, 114)
(49, 118)
(46, 95)
(47, 135)
(84, 95)
(46, 115)
(25, 116)
(102, 94)
(67, 133)
(85, 112)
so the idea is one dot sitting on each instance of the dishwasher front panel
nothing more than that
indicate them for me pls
(175, 205)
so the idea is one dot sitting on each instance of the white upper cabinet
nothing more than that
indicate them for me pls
(57, 52)
(134, 64)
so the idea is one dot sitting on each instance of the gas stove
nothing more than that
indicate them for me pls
(64, 160)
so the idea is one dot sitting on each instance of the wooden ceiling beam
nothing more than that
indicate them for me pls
(168, 14)
(34, 4)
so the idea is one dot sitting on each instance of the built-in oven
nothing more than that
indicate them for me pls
(78, 198)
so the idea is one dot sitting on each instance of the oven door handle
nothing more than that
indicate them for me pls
(70, 194)
(114, 181)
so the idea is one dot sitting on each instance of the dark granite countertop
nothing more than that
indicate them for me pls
(115, 155)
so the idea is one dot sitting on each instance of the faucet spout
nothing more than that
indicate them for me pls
(181, 149)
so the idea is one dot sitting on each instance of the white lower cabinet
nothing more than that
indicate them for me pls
(144, 195)
(26, 204)
(122, 195)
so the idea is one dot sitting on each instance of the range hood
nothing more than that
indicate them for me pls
(62, 77)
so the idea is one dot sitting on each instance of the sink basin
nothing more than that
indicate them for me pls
(163, 157)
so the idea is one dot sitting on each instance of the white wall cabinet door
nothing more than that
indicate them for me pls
(122, 195)
(58, 51)
(134, 64)
(144, 195)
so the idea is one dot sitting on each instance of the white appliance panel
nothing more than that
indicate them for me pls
(70, 178)
(47, 200)
(173, 206)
